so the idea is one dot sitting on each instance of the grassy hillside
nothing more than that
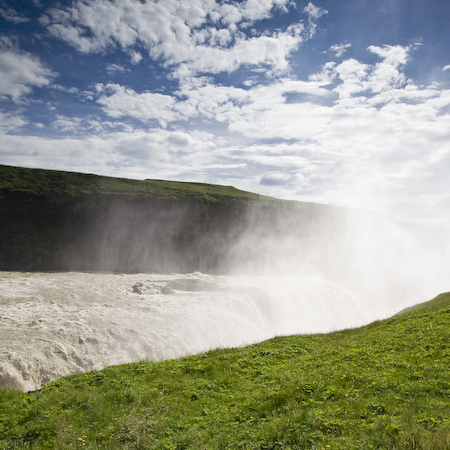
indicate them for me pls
(42, 182)
(382, 386)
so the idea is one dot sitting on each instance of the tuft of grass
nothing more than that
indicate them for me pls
(382, 386)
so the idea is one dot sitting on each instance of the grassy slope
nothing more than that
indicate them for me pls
(437, 302)
(42, 182)
(385, 385)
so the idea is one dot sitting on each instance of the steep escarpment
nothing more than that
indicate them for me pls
(68, 221)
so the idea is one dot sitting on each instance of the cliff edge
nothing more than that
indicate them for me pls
(63, 221)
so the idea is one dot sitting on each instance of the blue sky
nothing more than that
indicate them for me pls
(341, 102)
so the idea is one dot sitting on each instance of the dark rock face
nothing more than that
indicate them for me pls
(114, 233)
(57, 221)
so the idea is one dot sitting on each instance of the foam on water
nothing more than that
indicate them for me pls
(55, 324)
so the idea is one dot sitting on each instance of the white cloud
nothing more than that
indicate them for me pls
(384, 78)
(137, 154)
(113, 68)
(314, 14)
(445, 68)
(339, 49)
(234, 105)
(118, 101)
(251, 11)
(20, 72)
(11, 122)
(394, 55)
(67, 124)
(136, 57)
(85, 126)
(264, 111)
(199, 36)
(230, 15)
(353, 75)
(314, 11)
(58, 87)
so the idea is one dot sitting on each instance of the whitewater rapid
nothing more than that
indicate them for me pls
(55, 324)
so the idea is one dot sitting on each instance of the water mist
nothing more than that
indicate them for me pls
(304, 269)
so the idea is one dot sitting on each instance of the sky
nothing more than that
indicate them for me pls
(343, 102)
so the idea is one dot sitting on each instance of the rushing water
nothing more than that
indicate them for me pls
(54, 324)
(342, 273)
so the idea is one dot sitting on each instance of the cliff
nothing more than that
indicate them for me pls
(62, 221)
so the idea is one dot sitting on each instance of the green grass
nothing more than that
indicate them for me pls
(440, 300)
(43, 182)
(382, 386)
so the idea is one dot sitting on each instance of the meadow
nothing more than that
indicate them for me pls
(382, 386)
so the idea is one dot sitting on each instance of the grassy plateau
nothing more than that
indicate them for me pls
(382, 386)
(42, 182)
